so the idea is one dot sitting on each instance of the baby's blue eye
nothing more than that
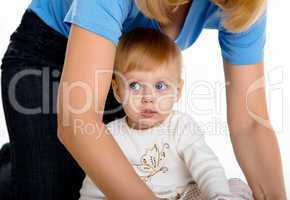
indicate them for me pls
(135, 86)
(161, 85)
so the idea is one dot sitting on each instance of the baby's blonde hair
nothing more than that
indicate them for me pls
(238, 14)
(145, 49)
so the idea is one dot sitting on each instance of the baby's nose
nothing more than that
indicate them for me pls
(147, 99)
(148, 94)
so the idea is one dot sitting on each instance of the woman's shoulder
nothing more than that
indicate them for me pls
(104, 17)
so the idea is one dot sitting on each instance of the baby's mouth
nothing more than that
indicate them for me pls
(148, 113)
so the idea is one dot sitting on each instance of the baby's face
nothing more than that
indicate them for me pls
(148, 97)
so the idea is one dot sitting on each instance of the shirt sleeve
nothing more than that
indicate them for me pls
(246, 47)
(103, 17)
(201, 161)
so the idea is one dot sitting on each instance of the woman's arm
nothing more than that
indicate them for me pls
(94, 150)
(254, 141)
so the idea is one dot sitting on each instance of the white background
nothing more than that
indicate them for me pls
(203, 66)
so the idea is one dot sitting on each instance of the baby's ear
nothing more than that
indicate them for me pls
(116, 90)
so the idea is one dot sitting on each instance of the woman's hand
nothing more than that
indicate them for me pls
(253, 139)
(82, 93)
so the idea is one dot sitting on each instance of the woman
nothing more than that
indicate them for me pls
(42, 165)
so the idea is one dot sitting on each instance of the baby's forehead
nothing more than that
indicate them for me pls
(151, 76)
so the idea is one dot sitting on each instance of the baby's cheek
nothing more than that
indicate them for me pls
(134, 102)
(165, 103)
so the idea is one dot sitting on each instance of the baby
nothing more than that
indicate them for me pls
(166, 147)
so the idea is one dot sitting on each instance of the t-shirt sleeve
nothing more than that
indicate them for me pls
(246, 47)
(201, 161)
(103, 17)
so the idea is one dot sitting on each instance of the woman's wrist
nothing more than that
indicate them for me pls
(260, 161)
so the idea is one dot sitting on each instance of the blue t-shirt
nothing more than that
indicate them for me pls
(109, 18)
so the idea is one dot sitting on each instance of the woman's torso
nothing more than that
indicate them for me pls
(201, 14)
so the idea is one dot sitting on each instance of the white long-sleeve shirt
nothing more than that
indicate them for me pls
(168, 157)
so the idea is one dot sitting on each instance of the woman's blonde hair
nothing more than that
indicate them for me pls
(145, 49)
(238, 14)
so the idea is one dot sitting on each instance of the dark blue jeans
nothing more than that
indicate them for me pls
(40, 166)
